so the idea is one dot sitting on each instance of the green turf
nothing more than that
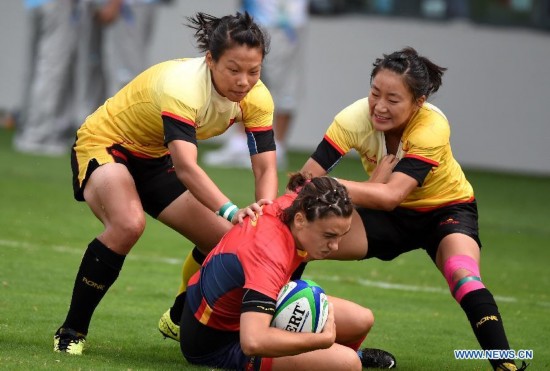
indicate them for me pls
(43, 233)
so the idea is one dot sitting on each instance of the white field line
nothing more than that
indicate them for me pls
(335, 278)
(402, 287)
(80, 251)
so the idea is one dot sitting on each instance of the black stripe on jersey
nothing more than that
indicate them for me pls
(254, 301)
(414, 168)
(260, 141)
(174, 129)
(326, 155)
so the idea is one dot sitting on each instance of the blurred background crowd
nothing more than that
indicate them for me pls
(63, 58)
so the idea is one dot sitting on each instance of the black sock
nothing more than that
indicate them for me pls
(177, 308)
(98, 270)
(482, 312)
(198, 255)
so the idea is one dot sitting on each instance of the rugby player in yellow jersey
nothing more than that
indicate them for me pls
(137, 154)
(417, 195)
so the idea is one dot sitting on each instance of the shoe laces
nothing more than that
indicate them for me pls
(68, 337)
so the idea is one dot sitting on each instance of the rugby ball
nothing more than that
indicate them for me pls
(302, 306)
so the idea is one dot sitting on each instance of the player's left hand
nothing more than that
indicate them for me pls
(383, 170)
(252, 210)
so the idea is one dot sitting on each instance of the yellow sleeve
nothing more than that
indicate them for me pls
(429, 137)
(350, 127)
(179, 99)
(257, 108)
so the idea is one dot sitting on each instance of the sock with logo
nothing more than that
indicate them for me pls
(98, 270)
(482, 312)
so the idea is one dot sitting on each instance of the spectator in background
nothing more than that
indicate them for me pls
(285, 21)
(50, 111)
(47, 113)
(458, 9)
(129, 25)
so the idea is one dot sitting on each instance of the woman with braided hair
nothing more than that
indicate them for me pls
(230, 302)
(417, 195)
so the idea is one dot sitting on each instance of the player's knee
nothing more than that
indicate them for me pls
(367, 320)
(462, 275)
(350, 360)
(129, 229)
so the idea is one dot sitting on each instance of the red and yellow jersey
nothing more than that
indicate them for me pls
(181, 89)
(426, 138)
(259, 255)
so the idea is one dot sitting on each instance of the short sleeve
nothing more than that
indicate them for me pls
(257, 109)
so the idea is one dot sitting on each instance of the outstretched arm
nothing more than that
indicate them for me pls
(384, 196)
(374, 193)
(264, 166)
(312, 167)
(184, 157)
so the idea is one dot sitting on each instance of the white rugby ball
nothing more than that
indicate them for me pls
(302, 306)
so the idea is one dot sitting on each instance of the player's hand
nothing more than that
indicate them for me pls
(329, 331)
(382, 172)
(252, 210)
(109, 12)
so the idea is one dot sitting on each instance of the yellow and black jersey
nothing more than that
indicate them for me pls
(171, 100)
(181, 89)
(425, 139)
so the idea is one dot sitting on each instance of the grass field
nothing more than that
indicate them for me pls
(43, 233)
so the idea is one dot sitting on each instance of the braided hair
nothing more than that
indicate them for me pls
(318, 198)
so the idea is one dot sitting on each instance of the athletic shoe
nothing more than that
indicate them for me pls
(67, 340)
(511, 367)
(376, 358)
(168, 328)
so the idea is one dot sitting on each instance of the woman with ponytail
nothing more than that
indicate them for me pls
(137, 154)
(417, 196)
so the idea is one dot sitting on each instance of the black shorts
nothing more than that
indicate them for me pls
(392, 233)
(203, 345)
(155, 178)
